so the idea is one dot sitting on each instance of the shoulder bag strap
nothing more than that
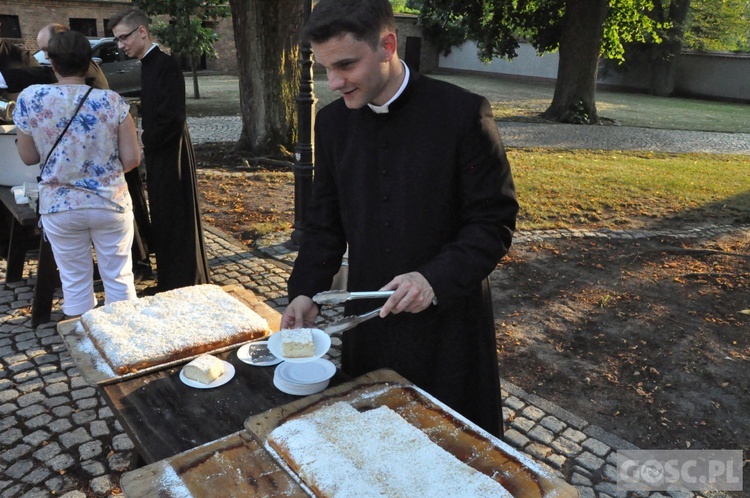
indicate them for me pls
(67, 125)
(59, 137)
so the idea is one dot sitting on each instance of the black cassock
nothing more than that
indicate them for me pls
(176, 233)
(426, 187)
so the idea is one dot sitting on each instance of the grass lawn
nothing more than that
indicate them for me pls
(595, 189)
(590, 189)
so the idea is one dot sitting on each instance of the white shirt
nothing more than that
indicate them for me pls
(383, 109)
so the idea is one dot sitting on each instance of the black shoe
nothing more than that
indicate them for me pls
(150, 291)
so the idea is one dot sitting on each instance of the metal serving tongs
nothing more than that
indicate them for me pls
(350, 321)
(340, 296)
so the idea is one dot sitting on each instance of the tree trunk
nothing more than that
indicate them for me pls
(194, 72)
(574, 100)
(665, 54)
(267, 39)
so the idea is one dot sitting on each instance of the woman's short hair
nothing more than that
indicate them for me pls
(70, 53)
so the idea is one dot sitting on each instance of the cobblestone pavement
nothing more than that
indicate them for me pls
(59, 438)
(564, 136)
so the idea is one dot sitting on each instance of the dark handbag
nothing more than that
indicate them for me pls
(39, 178)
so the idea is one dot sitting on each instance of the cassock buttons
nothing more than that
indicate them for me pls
(385, 198)
(387, 224)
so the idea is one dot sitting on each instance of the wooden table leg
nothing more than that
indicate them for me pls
(47, 280)
(21, 238)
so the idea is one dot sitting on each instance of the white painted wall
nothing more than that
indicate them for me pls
(723, 76)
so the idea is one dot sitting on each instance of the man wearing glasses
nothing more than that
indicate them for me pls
(176, 233)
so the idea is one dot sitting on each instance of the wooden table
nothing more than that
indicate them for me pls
(240, 464)
(164, 417)
(23, 233)
(24, 236)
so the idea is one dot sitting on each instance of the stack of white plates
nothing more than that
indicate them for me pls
(302, 379)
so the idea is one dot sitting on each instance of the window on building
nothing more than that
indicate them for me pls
(85, 26)
(9, 26)
(107, 31)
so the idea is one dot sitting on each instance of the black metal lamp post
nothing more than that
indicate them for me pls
(303, 152)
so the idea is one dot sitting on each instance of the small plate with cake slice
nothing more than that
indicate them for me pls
(299, 345)
(207, 372)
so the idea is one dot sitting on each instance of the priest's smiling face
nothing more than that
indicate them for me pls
(362, 74)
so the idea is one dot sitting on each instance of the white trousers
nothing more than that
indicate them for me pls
(71, 233)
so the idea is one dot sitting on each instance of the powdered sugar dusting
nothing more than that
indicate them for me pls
(86, 346)
(171, 484)
(132, 332)
(344, 453)
(524, 460)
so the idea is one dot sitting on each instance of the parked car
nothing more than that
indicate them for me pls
(123, 73)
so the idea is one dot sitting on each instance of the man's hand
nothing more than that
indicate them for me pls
(300, 313)
(413, 293)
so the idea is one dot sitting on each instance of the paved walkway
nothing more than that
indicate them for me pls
(564, 136)
(58, 437)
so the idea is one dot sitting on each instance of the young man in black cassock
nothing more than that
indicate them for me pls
(176, 233)
(411, 173)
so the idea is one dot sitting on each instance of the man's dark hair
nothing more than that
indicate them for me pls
(131, 18)
(364, 19)
(70, 53)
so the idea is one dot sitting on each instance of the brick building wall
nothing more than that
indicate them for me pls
(33, 15)
(418, 52)
(226, 59)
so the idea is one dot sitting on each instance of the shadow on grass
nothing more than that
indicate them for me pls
(733, 210)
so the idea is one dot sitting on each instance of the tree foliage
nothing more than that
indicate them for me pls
(185, 31)
(582, 31)
(719, 25)
(707, 25)
(499, 25)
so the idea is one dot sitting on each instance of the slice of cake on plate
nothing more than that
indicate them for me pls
(297, 343)
(204, 369)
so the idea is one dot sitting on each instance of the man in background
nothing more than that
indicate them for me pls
(26, 71)
(176, 231)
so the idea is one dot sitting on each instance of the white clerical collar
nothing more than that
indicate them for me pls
(383, 109)
(153, 46)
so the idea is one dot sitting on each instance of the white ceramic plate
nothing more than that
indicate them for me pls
(298, 389)
(306, 373)
(253, 353)
(321, 341)
(228, 374)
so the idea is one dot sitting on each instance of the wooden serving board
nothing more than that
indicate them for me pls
(95, 369)
(241, 464)
(521, 476)
(233, 466)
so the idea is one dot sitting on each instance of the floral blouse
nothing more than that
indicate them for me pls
(84, 170)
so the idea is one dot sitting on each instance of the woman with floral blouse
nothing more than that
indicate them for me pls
(83, 196)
